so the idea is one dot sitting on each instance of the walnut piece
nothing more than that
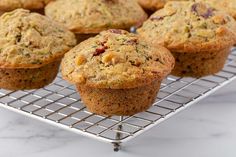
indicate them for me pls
(202, 10)
(80, 60)
(111, 58)
(219, 20)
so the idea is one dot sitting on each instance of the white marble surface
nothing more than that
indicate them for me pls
(207, 129)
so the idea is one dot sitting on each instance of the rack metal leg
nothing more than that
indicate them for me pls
(117, 145)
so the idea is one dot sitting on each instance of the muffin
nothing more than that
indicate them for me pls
(116, 73)
(88, 18)
(34, 5)
(199, 37)
(31, 49)
(153, 5)
(228, 6)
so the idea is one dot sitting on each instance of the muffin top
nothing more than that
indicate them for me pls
(190, 27)
(30, 40)
(8, 5)
(94, 16)
(228, 6)
(116, 59)
(153, 4)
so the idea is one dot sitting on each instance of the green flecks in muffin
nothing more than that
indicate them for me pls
(203, 25)
(192, 22)
(30, 38)
(118, 58)
(42, 52)
(186, 29)
(86, 16)
(27, 55)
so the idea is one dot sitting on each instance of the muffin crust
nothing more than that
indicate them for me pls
(191, 27)
(29, 40)
(228, 6)
(9, 5)
(153, 5)
(94, 16)
(116, 73)
(116, 59)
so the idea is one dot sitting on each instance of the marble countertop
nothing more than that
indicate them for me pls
(207, 129)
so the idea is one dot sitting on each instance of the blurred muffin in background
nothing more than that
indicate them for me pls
(228, 6)
(33, 5)
(153, 5)
(31, 49)
(199, 37)
(87, 18)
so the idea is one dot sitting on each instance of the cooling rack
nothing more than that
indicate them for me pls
(59, 104)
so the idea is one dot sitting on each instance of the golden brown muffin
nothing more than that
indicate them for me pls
(31, 47)
(34, 5)
(153, 5)
(93, 16)
(116, 73)
(228, 6)
(199, 37)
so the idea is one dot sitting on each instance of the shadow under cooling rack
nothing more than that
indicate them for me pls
(59, 104)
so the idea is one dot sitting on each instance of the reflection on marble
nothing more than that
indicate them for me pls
(206, 129)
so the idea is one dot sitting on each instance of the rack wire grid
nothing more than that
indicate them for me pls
(60, 104)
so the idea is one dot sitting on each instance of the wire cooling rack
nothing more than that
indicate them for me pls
(59, 104)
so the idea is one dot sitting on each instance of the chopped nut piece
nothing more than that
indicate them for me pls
(80, 60)
(201, 10)
(171, 11)
(221, 31)
(81, 79)
(111, 58)
(207, 33)
(219, 20)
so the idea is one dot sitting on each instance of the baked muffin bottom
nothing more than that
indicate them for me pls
(28, 78)
(120, 102)
(199, 64)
